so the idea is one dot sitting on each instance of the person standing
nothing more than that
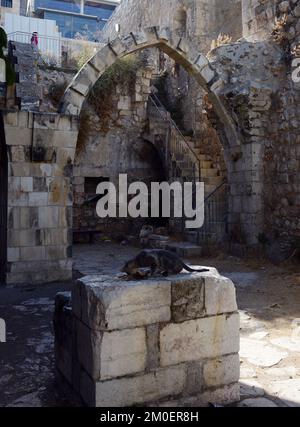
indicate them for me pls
(34, 40)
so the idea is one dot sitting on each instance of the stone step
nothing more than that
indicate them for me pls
(184, 164)
(209, 188)
(212, 180)
(187, 173)
(209, 173)
(200, 156)
(28, 89)
(206, 164)
(185, 249)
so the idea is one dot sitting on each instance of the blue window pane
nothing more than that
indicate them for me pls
(66, 5)
(73, 26)
(103, 11)
(6, 3)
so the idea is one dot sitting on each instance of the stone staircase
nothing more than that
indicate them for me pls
(185, 160)
(182, 157)
(28, 91)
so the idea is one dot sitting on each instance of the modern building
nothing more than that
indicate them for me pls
(80, 19)
(11, 6)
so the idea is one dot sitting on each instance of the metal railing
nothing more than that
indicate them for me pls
(178, 143)
(49, 47)
(216, 203)
(215, 225)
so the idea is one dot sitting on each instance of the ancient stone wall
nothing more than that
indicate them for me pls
(41, 150)
(258, 18)
(200, 20)
(168, 341)
(265, 101)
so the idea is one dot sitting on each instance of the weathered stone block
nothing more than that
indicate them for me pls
(222, 371)
(108, 304)
(123, 353)
(207, 74)
(152, 337)
(134, 390)
(48, 216)
(38, 199)
(65, 139)
(13, 254)
(85, 79)
(140, 37)
(219, 295)
(198, 339)
(117, 46)
(129, 354)
(32, 253)
(187, 299)
(88, 347)
(16, 136)
(27, 184)
(28, 217)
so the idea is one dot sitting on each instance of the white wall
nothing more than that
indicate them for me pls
(20, 28)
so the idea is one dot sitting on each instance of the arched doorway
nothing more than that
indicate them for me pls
(195, 63)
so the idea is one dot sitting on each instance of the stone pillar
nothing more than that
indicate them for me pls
(162, 341)
(41, 151)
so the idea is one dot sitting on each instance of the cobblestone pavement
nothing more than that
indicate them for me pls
(269, 302)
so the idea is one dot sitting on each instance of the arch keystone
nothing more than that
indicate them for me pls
(208, 74)
(140, 38)
(85, 80)
(117, 46)
(201, 62)
(163, 34)
(151, 33)
(129, 42)
(104, 58)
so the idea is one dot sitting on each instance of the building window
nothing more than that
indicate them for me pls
(7, 3)
(102, 11)
(76, 26)
(64, 5)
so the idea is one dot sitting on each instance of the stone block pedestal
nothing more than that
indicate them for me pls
(169, 341)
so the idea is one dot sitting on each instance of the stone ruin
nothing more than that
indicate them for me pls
(240, 103)
(164, 341)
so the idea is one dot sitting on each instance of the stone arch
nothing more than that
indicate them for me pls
(177, 48)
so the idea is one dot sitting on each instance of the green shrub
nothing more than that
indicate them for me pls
(3, 40)
(10, 72)
(123, 74)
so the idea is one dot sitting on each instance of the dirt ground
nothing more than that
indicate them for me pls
(269, 303)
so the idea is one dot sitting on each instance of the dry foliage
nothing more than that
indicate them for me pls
(122, 74)
(221, 40)
(280, 32)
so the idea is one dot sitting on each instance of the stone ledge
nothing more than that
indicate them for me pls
(107, 303)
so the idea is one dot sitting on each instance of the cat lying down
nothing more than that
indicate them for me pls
(152, 262)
